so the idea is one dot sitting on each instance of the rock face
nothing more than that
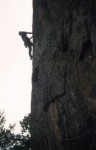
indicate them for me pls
(64, 75)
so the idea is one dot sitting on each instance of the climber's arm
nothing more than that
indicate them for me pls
(29, 32)
(31, 37)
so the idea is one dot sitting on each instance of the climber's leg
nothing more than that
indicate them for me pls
(30, 50)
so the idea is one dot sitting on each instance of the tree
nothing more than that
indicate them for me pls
(6, 135)
(25, 124)
(23, 140)
(64, 75)
(11, 141)
(26, 131)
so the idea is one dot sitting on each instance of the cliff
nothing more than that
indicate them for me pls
(64, 75)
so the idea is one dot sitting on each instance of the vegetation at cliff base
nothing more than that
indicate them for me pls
(11, 141)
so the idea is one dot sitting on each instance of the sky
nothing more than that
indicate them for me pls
(15, 64)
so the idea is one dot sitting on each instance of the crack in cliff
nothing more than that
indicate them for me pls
(53, 100)
(58, 96)
(86, 134)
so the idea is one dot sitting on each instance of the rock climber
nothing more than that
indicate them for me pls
(27, 41)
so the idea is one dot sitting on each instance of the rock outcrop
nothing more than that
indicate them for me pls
(64, 75)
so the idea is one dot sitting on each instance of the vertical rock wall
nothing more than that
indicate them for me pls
(64, 75)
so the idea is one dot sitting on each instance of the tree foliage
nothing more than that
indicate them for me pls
(25, 124)
(11, 141)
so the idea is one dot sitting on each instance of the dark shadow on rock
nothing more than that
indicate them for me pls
(87, 50)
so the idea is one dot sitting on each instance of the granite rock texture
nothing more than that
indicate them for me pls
(64, 75)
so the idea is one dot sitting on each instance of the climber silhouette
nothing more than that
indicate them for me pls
(27, 41)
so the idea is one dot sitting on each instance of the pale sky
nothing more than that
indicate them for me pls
(15, 64)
